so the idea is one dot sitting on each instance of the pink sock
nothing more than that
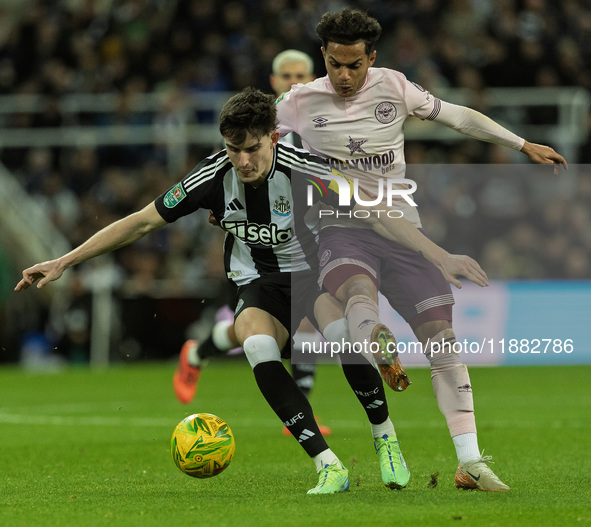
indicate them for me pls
(362, 315)
(451, 385)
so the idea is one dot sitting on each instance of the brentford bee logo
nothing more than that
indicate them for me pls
(385, 112)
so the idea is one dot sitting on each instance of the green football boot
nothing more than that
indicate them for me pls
(332, 479)
(395, 473)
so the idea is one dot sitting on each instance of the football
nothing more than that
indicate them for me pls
(202, 445)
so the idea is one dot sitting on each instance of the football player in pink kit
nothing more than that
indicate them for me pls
(354, 117)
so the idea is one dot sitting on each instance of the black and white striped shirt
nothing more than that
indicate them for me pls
(265, 228)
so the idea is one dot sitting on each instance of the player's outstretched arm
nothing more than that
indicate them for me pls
(118, 234)
(478, 126)
(405, 233)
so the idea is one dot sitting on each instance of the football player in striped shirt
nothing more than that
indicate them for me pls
(248, 189)
(289, 67)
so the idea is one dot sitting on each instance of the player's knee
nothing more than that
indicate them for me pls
(261, 348)
(360, 300)
(359, 284)
(441, 350)
(430, 330)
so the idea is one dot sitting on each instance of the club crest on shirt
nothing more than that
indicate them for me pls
(385, 112)
(355, 145)
(174, 196)
(282, 207)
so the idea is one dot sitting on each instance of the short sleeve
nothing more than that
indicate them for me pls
(192, 193)
(419, 102)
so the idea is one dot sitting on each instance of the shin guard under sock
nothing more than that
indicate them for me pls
(290, 405)
(369, 389)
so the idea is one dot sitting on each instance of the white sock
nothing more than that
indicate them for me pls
(304, 336)
(466, 447)
(383, 429)
(219, 335)
(193, 357)
(326, 457)
(362, 314)
(337, 331)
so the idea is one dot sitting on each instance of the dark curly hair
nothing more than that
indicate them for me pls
(349, 26)
(250, 111)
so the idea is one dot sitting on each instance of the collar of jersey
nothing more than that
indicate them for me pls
(272, 170)
(274, 164)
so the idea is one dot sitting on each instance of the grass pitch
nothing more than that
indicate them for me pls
(82, 448)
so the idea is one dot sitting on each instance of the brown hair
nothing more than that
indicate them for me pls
(250, 111)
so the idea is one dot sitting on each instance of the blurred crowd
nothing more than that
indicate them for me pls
(515, 229)
(102, 45)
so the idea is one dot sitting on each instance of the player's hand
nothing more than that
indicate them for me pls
(45, 272)
(455, 265)
(544, 155)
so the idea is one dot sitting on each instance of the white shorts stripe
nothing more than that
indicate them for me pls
(435, 301)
